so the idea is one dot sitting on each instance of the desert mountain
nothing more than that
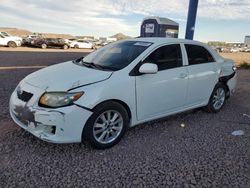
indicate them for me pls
(120, 36)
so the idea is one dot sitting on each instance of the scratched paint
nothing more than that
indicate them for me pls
(25, 115)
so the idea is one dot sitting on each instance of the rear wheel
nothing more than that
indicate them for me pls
(44, 46)
(217, 99)
(76, 46)
(106, 126)
(12, 44)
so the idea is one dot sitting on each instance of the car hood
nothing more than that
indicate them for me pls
(65, 76)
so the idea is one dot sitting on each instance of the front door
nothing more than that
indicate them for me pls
(163, 92)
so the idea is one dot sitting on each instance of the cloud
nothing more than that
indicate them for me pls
(215, 9)
(225, 9)
(110, 16)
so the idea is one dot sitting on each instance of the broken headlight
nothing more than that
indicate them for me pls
(59, 99)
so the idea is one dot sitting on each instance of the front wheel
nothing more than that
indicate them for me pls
(106, 126)
(217, 99)
(12, 44)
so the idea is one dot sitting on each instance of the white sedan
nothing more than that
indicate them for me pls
(96, 98)
(82, 44)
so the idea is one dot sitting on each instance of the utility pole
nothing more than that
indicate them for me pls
(192, 11)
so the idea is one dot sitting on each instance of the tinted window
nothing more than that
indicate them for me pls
(198, 54)
(166, 57)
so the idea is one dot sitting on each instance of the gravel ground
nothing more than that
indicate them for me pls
(156, 154)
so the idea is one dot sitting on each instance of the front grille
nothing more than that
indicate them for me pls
(24, 96)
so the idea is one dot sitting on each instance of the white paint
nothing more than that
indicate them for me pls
(4, 40)
(148, 68)
(81, 44)
(238, 133)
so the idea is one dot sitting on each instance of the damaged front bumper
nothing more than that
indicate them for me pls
(61, 125)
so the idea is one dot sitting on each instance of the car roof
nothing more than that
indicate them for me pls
(163, 40)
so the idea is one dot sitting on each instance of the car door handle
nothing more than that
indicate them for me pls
(183, 75)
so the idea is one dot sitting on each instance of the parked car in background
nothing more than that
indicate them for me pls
(27, 41)
(9, 35)
(10, 41)
(68, 41)
(50, 43)
(245, 49)
(234, 50)
(96, 98)
(226, 50)
(82, 44)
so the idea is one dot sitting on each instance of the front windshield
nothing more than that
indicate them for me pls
(116, 56)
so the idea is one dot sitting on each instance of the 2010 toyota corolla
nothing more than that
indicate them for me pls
(96, 98)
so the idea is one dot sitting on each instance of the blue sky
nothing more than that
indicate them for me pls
(217, 20)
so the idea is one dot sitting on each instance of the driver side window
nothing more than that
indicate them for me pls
(166, 57)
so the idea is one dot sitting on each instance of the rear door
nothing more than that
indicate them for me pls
(203, 74)
(163, 92)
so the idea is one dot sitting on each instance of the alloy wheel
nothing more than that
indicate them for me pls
(108, 126)
(219, 98)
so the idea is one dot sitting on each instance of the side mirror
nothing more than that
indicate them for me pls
(148, 68)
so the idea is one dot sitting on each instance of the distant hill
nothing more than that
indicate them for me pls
(23, 33)
(15, 31)
(120, 36)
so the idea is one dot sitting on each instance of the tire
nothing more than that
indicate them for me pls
(217, 98)
(76, 46)
(65, 47)
(44, 46)
(101, 131)
(12, 44)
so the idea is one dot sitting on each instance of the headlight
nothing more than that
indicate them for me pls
(59, 99)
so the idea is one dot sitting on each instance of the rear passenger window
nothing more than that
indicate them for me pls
(166, 57)
(198, 54)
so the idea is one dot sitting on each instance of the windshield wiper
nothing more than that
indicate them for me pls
(80, 61)
(94, 65)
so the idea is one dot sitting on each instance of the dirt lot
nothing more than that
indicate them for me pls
(203, 153)
(239, 57)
